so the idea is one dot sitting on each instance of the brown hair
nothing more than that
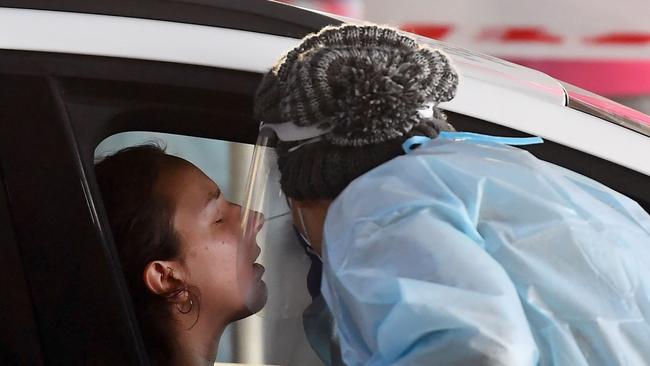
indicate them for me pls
(141, 222)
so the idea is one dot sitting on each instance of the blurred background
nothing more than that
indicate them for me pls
(599, 45)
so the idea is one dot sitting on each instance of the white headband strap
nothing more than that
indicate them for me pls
(288, 131)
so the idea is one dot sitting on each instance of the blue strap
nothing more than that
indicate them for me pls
(415, 141)
(411, 143)
(514, 141)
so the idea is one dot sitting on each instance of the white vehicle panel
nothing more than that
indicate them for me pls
(489, 89)
(103, 35)
(556, 123)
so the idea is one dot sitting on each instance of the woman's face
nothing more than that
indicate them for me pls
(213, 257)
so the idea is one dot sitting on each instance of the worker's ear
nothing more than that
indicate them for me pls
(321, 204)
(309, 218)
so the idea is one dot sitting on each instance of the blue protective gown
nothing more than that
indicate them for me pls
(466, 253)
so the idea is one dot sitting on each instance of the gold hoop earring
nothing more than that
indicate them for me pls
(183, 308)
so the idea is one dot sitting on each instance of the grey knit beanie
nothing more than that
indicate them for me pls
(365, 84)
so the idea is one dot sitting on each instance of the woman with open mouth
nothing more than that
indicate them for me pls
(180, 244)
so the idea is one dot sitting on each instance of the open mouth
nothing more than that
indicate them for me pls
(258, 270)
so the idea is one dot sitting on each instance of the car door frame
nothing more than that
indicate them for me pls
(56, 108)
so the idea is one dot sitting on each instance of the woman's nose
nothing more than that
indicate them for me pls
(255, 218)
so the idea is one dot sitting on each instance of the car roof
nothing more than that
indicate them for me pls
(270, 17)
(260, 16)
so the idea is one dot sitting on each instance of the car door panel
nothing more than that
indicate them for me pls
(79, 305)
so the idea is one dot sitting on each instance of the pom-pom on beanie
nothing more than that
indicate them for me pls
(366, 83)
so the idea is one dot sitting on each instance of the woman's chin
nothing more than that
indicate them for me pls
(257, 296)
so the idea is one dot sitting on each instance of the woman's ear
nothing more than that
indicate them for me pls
(160, 277)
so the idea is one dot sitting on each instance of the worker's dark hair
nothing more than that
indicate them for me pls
(367, 86)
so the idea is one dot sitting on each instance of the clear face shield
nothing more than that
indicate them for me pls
(282, 253)
(283, 249)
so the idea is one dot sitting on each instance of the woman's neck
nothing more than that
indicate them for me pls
(197, 345)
